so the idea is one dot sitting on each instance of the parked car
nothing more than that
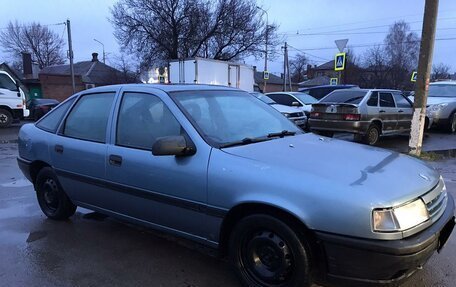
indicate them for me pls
(441, 105)
(294, 114)
(12, 101)
(215, 165)
(368, 114)
(294, 99)
(319, 92)
(39, 107)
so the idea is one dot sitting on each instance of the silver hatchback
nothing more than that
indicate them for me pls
(366, 113)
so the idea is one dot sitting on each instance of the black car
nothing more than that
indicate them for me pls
(319, 92)
(39, 107)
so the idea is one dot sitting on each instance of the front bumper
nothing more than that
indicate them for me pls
(356, 127)
(361, 262)
(25, 167)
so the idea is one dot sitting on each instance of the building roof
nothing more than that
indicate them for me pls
(317, 81)
(93, 72)
(273, 79)
(326, 66)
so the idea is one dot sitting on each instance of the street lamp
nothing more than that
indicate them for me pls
(266, 49)
(104, 55)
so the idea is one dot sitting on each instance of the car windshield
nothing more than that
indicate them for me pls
(305, 98)
(442, 90)
(227, 118)
(265, 99)
(344, 96)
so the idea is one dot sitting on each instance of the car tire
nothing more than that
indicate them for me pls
(372, 135)
(452, 123)
(53, 201)
(6, 118)
(266, 252)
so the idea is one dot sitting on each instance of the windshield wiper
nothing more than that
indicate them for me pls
(281, 134)
(244, 141)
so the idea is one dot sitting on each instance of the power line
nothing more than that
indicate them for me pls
(370, 45)
(306, 53)
(357, 33)
(29, 26)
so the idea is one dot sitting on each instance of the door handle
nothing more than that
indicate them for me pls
(400, 111)
(58, 148)
(382, 111)
(115, 160)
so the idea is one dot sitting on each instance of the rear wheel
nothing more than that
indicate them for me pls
(267, 252)
(452, 123)
(6, 118)
(373, 135)
(53, 201)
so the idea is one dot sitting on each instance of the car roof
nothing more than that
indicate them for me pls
(164, 87)
(330, 86)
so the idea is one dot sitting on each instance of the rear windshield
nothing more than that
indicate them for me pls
(344, 96)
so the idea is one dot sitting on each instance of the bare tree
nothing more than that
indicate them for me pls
(298, 68)
(401, 49)
(440, 72)
(129, 68)
(45, 46)
(159, 30)
(376, 67)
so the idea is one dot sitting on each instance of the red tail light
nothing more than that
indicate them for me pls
(352, 117)
(314, 114)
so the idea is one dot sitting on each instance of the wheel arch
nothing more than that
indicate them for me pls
(240, 211)
(35, 168)
(379, 123)
(6, 108)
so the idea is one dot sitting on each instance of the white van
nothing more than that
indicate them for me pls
(12, 101)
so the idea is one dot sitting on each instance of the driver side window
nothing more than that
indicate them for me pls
(144, 118)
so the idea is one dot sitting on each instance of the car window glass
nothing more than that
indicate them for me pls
(373, 100)
(6, 83)
(401, 101)
(282, 99)
(143, 118)
(344, 96)
(386, 100)
(51, 120)
(89, 117)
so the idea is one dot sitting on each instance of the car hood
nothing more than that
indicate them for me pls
(382, 177)
(286, 109)
(437, 100)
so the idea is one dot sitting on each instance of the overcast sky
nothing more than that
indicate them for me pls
(362, 22)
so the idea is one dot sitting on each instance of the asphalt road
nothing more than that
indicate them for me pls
(93, 250)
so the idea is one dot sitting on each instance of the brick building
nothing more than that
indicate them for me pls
(56, 80)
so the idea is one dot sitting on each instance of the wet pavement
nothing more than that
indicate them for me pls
(94, 250)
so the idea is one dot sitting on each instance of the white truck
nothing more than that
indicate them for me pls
(12, 101)
(211, 72)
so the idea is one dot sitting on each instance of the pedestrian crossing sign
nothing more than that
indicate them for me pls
(414, 74)
(339, 62)
(333, 81)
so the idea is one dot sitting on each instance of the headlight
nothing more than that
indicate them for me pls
(286, 114)
(437, 107)
(400, 218)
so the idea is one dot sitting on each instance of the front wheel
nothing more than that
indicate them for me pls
(452, 123)
(53, 201)
(6, 118)
(267, 252)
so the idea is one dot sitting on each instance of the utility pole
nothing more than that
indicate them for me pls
(422, 81)
(70, 55)
(288, 67)
(285, 59)
(104, 54)
(266, 48)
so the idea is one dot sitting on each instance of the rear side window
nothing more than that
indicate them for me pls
(401, 101)
(50, 122)
(143, 118)
(344, 96)
(89, 117)
(373, 100)
(386, 100)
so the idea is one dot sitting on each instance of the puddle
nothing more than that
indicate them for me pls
(22, 182)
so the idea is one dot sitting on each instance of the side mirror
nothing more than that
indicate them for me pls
(295, 104)
(172, 145)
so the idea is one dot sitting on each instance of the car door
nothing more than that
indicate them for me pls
(387, 112)
(372, 108)
(404, 111)
(167, 191)
(78, 150)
